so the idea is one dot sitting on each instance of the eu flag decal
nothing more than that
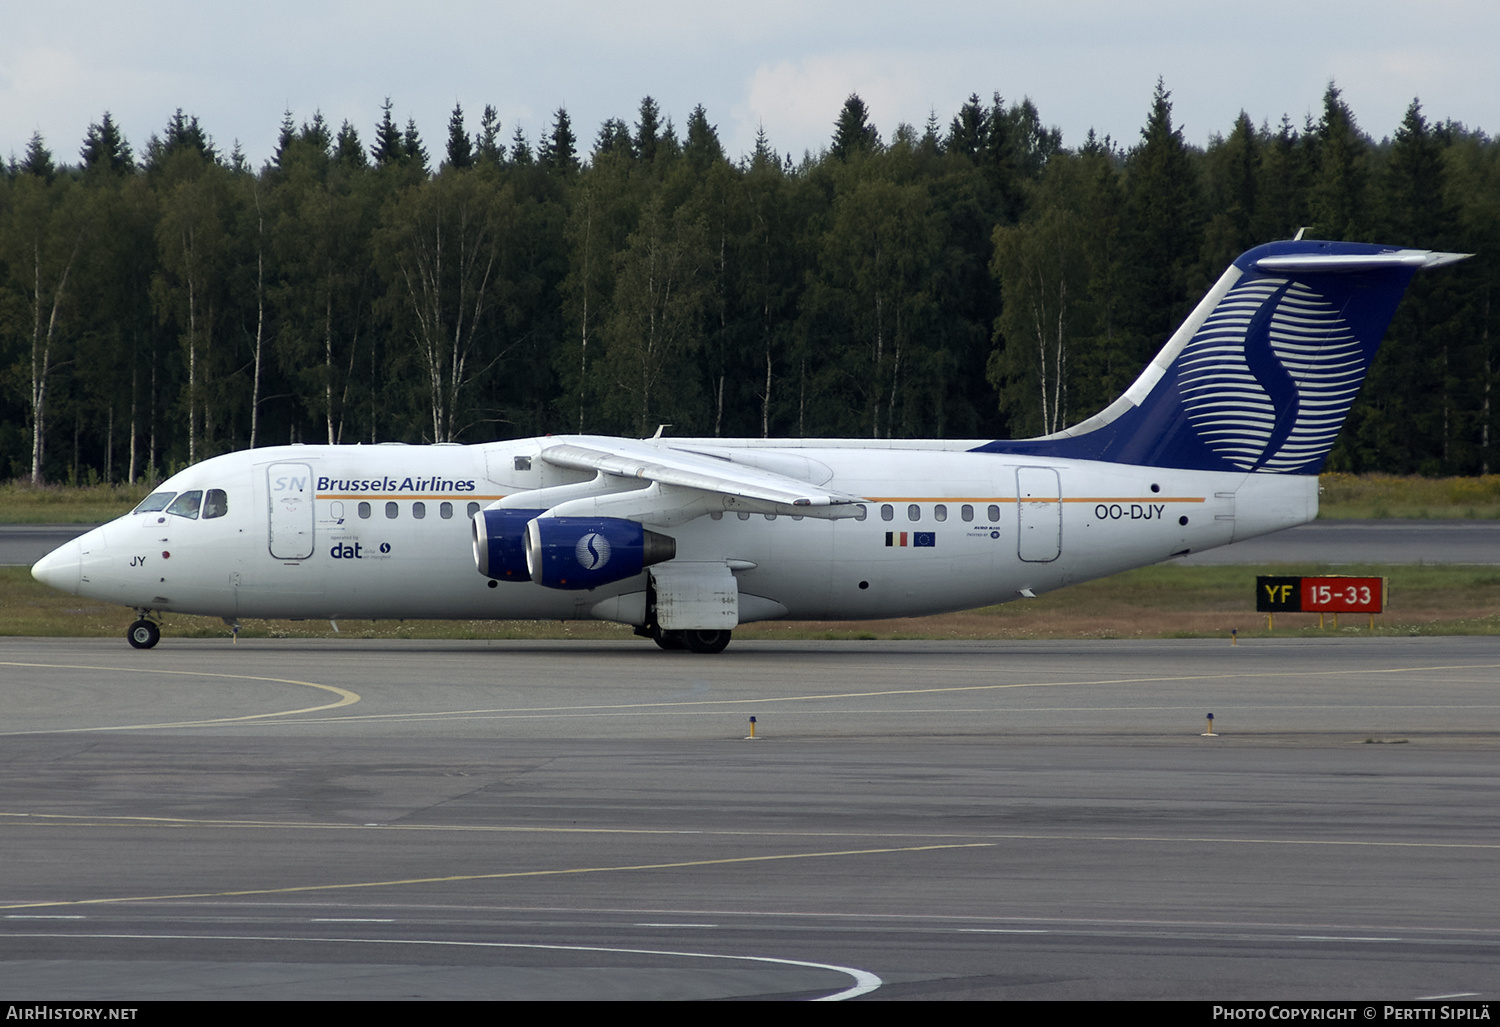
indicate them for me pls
(924, 538)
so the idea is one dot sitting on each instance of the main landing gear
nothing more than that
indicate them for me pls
(143, 634)
(693, 641)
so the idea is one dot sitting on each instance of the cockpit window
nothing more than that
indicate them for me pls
(154, 502)
(186, 505)
(215, 504)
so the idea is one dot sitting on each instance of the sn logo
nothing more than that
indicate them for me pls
(592, 551)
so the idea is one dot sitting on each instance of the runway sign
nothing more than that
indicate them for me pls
(1329, 594)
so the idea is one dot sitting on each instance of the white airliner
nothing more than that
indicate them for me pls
(1220, 439)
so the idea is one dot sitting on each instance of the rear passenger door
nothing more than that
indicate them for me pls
(1039, 514)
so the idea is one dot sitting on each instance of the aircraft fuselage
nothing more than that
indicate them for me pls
(384, 532)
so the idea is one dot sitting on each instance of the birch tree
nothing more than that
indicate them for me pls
(442, 247)
(43, 235)
(191, 236)
(1042, 282)
(656, 331)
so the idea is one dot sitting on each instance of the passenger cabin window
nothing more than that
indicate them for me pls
(154, 502)
(940, 512)
(392, 510)
(215, 504)
(419, 510)
(364, 511)
(887, 512)
(186, 505)
(446, 511)
(994, 512)
(914, 512)
(966, 512)
(860, 512)
(473, 509)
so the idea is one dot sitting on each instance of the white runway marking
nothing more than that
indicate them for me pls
(864, 981)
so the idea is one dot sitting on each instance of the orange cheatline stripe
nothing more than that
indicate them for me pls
(868, 499)
(401, 495)
(1039, 499)
(1133, 499)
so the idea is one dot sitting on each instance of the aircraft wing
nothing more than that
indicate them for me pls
(667, 467)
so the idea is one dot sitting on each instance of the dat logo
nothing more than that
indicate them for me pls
(341, 551)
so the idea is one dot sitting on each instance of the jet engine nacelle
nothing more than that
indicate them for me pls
(585, 552)
(500, 543)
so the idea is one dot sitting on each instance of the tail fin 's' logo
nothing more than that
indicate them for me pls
(1269, 377)
(592, 551)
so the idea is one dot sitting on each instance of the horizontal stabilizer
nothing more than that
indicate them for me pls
(1331, 262)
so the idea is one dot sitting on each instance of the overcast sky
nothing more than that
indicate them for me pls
(785, 65)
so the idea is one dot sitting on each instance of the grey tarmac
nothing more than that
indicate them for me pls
(384, 820)
(22, 545)
(1366, 542)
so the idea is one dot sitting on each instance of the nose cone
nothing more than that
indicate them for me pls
(60, 568)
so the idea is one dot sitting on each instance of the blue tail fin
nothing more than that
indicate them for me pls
(1263, 372)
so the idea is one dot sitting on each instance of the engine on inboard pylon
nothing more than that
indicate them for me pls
(585, 552)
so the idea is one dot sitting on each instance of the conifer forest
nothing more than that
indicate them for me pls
(162, 301)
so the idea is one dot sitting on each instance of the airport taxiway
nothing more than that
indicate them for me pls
(382, 819)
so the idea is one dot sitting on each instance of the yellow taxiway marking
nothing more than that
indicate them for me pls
(346, 697)
(994, 840)
(979, 839)
(818, 697)
(492, 877)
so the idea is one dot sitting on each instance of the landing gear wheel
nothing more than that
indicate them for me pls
(668, 640)
(143, 634)
(705, 641)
